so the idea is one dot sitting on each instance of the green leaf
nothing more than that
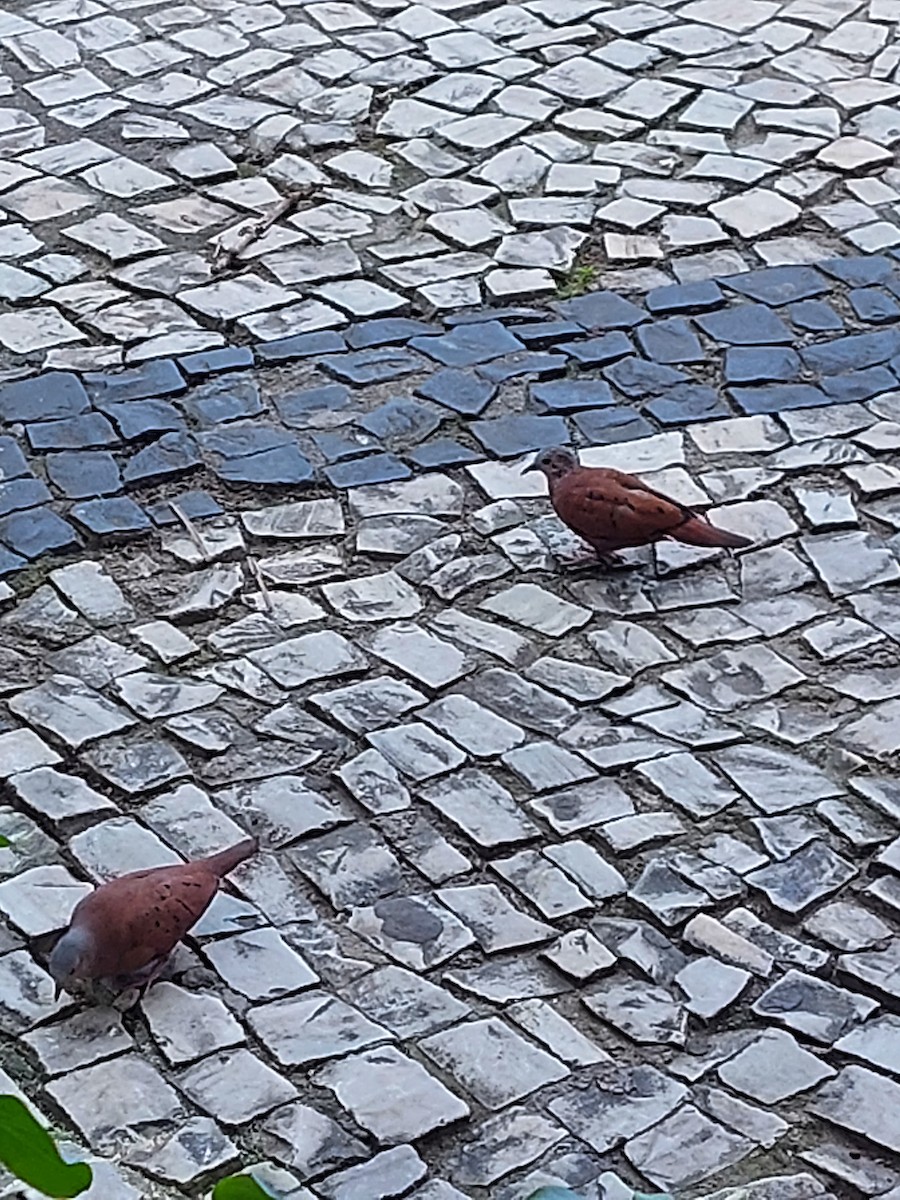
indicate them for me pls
(27, 1149)
(240, 1187)
(4, 842)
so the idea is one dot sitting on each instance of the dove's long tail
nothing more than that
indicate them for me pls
(697, 532)
(226, 860)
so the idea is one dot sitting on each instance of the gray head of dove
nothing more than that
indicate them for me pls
(70, 959)
(554, 462)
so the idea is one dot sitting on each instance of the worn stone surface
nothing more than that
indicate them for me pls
(602, 856)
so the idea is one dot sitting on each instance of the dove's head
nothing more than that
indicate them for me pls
(555, 462)
(71, 958)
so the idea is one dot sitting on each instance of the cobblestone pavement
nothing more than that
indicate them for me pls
(418, 157)
(589, 877)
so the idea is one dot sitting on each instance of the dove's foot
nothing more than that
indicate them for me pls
(133, 987)
(592, 558)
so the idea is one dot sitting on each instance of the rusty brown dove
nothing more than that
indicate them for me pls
(126, 929)
(613, 511)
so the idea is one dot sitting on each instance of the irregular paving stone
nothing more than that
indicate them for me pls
(646, 1014)
(773, 1067)
(364, 1082)
(307, 1140)
(862, 1101)
(93, 1099)
(491, 1062)
(391, 1173)
(620, 1104)
(804, 877)
(660, 1152)
(414, 930)
(812, 1007)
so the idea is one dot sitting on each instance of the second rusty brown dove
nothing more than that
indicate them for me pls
(613, 511)
(126, 929)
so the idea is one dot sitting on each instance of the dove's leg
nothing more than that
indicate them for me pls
(135, 986)
(593, 554)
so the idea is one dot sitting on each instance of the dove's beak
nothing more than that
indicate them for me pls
(57, 990)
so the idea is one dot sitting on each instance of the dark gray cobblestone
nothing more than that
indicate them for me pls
(84, 457)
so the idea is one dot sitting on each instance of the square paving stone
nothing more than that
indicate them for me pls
(78, 1041)
(494, 1064)
(392, 1096)
(83, 474)
(259, 964)
(117, 516)
(110, 1097)
(53, 396)
(745, 325)
(468, 345)
(404, 1002)
(19, 494)
(601, 310)
(389, 1174)
(352, 866)
(71, 710)
(160, 377)
(481, 807)
(460, 390)
(643, 1012)
(497, 924)
(603, 426)
(803, 878)
(499, 1145)
(671, 341)
(773, 1067)
(876, 1042)
(413, 930)
(685, 297)
(597, 352)
(551, 892)
(235, 1086)
(507, 437)
(370, 470)
(187, 1025)
(88, 430)
(570, 395)
(41, 899)
(36, 532)
(778, 285)
(312, 1028)
(815, 316)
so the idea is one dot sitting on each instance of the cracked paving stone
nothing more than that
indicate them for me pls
(686, 1148)
(620, 1104)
